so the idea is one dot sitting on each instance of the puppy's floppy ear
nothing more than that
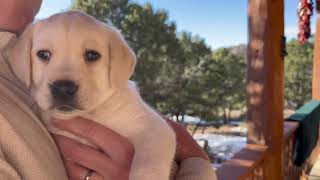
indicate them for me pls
(20, 56)
(122, 60)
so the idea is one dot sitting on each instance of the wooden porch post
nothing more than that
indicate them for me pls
(316, 78)
(265, 81)
(316, 58)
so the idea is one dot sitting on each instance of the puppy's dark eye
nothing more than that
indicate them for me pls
(44, 55)
(91, 55)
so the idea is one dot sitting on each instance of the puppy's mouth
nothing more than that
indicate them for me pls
(65, 108)
(65, 111)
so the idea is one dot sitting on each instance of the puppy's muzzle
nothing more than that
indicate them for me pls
(63, 92)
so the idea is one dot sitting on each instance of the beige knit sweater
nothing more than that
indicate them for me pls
(27, 150)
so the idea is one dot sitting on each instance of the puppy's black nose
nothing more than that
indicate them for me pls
(63, 89)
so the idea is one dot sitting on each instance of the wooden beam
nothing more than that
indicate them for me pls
(316, 78)
(316, 62)
(265, 81)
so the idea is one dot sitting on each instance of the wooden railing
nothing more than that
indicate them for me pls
(291, 172)
(249, 162)
(246, 164)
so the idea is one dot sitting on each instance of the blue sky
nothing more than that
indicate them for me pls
(220, 23)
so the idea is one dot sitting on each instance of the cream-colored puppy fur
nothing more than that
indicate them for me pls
(105, 93)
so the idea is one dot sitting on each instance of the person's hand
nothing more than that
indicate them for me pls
(187, 147)
(15, 15)
(111, 160)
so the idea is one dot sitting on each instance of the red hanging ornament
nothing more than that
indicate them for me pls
(304, 13)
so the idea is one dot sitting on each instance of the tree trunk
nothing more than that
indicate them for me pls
(177, 116)
(195, 129)
(229, 115)
(203, 129)
(225, 118)
(182, 119)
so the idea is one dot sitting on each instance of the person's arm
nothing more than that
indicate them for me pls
(15, 15)
(79, 158)
(113, 159)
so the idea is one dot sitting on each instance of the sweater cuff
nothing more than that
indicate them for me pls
(196, 168)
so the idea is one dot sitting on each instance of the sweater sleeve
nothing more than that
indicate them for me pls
(7, 172)
(194, 169)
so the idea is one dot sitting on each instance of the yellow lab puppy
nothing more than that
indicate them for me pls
(74, 66)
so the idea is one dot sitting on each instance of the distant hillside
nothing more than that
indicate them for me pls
(240, 50)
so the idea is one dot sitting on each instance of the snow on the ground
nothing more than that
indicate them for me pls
(222, 147)
(239, 129)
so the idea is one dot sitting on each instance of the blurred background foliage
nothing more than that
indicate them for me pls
(179, 74)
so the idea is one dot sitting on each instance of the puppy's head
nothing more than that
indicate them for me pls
(71, 61)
